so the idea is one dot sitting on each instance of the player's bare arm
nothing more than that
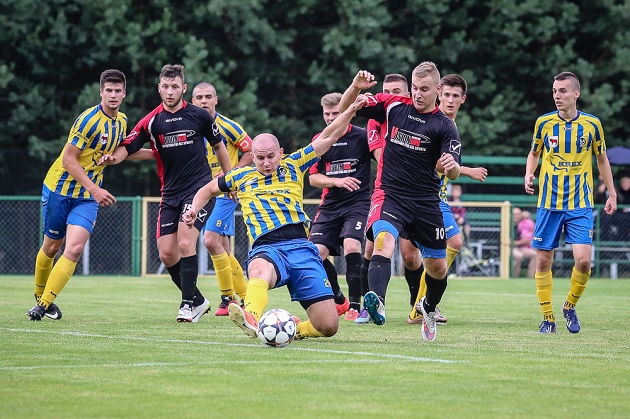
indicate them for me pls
(71, 163)
(451, 167)
(116, 157)
(362, 81)
(337, 128)
(142, 154)
(530, 168)
(201, 198)
(476, 173)
(605, 171)
(319, 180)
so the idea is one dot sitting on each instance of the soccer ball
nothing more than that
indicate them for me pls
(276, 328)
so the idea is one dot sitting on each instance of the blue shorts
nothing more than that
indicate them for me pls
(578, 227)
(450, 225)
(58, 211)
(221, 220)
(298, 266)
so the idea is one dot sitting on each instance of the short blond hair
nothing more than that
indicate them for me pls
(427, 68)
(331, 99)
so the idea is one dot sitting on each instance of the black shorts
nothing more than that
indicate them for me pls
(332, 226)
(172, 209)
(421, 222)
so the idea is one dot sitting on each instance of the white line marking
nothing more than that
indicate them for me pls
(326, 351)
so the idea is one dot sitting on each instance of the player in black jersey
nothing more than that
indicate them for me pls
(343, 173)
(176, 131)
(405, 195)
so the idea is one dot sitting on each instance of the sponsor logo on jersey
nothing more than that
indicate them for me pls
(560, 164)
(341, 167)
(415, 118)
(176, 138)
(340, 144)
(410, 140)
(173, 119)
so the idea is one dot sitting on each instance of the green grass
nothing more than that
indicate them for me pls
(118, 352)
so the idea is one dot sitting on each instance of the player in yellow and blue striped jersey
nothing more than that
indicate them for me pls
(72, 192)
(271, 196)
(567, 140)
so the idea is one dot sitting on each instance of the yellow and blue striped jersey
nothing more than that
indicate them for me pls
(566, 172)
(272, 201)
(234, 137)
(443, 193)
(95, 133)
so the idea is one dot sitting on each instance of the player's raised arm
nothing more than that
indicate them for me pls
(362, 81)
(337, 128)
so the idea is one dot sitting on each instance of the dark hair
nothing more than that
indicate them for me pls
(390, 78)
(172, 71)
(455, 80)
(567, 75)
(113, 76)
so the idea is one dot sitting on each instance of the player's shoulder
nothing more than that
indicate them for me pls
(589, 117)
(225, 121)
(549, 116)
(358, 130)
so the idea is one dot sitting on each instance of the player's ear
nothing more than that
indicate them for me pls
(184, 88)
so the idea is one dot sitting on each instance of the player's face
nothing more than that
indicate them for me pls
(330, 113)
(266, 156)
(451, 98)
(171, 91)
(565, 95)
(112, 95)
(424, 91)
(206, 98)
(398, 88)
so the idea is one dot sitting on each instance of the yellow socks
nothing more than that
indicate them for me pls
(223, 270)
(43, 266)
(238, 278)
(578, 284)
(306, 329)
(59, 277)
(257, 298)
(544, 286)
(451, 254)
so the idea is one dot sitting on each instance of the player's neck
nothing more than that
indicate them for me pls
(112, 113)
(173, 109)
(453, 116)
(569, 114)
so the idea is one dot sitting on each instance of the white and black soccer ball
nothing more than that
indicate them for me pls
(276, 328)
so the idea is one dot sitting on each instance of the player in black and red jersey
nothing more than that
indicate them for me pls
(406, 190)
(177, 132)
(343, 173)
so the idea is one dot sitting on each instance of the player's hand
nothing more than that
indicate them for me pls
(529, 183)
(479, 173)
(189, 218)
(611, 205)
(103, 197)
(350, 183)
(363, 80)
(233, 196)
(447, 161)
(106, 159)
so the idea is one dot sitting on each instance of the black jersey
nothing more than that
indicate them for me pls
(178, 141)
(349, 156)
(412, 146)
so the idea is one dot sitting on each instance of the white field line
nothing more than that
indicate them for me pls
(373, 357)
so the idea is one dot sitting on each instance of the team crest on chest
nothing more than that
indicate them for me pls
(553, 142)
(104, 138)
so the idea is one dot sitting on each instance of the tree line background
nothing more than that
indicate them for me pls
(272, 60)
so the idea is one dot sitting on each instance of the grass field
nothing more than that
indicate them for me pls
(118, 352)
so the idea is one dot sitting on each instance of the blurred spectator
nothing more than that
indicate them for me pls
(522, 249)
(459, 212)
(623, 194)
